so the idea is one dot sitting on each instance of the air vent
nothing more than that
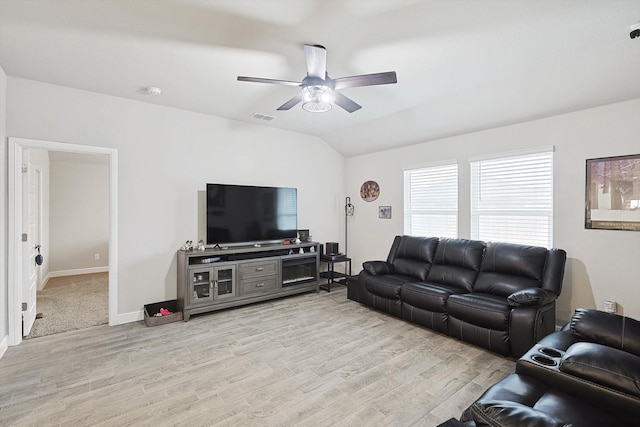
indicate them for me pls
(265, 117)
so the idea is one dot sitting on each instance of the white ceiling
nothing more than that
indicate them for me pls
(462, 65)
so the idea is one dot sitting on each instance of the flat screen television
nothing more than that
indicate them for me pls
(250, 214)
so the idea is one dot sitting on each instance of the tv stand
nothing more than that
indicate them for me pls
(219, 278)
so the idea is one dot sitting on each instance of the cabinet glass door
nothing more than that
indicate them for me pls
(224, 283)
(201, 285)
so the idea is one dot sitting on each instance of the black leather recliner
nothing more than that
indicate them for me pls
(499, 296)
(586, 375)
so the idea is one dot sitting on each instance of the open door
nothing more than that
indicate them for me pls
(31, 230)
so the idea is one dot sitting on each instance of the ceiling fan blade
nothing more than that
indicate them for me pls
(366, 80)
(272, 81)
(316, 57)
(291, 103)
(346, 103)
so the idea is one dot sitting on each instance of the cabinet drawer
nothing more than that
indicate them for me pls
(258, 285)
(258, 269)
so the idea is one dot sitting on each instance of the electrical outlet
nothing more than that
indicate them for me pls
(96, 257)
(610, 306)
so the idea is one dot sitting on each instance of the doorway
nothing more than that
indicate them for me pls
(74, 242)
(16, 160)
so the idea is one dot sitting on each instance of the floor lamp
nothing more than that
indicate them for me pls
(348, 211)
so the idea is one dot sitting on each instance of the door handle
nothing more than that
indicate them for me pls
(39, 257)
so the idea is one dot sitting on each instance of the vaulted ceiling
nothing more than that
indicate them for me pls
(462, 65)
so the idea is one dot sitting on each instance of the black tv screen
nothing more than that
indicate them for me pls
(249, 214)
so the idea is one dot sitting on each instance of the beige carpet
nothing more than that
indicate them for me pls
(72, 302)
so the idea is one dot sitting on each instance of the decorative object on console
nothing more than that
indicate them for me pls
(188, 246)
(384, 212)
(303, 235)
(613, 193)
(201, 245)
(369, 191)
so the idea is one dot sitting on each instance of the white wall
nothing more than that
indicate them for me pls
(4, 325)
(79, 218)
(602, 264)
(165, 156)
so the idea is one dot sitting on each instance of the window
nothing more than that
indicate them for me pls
(512, 198)
(431, 201)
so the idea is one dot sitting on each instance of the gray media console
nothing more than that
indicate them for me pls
(215, 279)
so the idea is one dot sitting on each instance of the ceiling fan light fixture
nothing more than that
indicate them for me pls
(317, 98)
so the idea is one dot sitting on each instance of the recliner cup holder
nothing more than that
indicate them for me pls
(543, 360)
(551, 352)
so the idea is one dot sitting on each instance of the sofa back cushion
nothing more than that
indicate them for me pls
(507, 268)
(456, 263)
(412, 256)
(608, 329)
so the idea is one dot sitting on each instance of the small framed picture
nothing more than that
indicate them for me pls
(384, 212)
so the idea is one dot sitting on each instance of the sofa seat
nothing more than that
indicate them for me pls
(384, 293)
(520, 400)
(425, 304)
(428, 296)
(387, 287)
(483, 310)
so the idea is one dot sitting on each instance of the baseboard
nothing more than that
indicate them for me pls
(90, 270)
(133, 316)
(4, 345)
(44, 281)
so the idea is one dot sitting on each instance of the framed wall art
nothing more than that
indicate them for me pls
(384, 212)
(369, 191)
(612, 199)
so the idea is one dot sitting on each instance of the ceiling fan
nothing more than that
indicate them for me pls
(319, 90)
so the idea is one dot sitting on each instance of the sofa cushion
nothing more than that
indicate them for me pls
(508, 268)
(608, 329)
(412, 256)
(428, 296)
(484, 310)
(456, 263)
(603, 365)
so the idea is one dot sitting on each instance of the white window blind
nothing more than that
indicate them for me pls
(431, 201)
(512, 198)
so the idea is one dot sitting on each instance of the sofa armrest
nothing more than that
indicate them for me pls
(377, 268)
(531, 296)
(609, 367)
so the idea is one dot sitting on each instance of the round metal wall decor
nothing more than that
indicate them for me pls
(369, 191)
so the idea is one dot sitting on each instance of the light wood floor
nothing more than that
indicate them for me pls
(309, 360)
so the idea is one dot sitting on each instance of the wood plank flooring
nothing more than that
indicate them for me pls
(308, 360)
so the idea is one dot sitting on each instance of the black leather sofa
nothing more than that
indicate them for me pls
(586, 375)
(500, 296)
